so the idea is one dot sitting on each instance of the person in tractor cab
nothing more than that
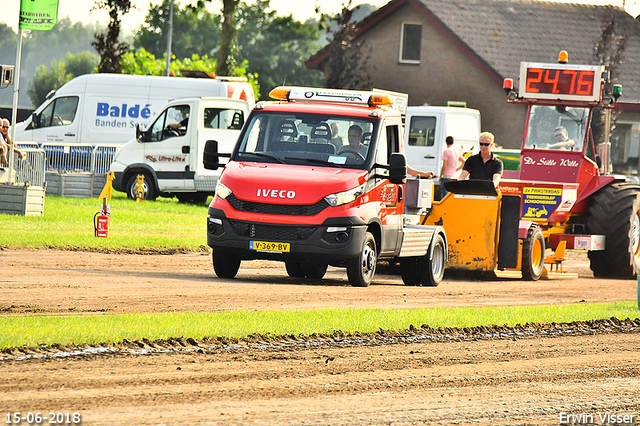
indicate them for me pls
(562, 139)
(484, 165)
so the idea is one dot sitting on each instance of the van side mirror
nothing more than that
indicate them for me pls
(139, 133)
(397, 168)
(35, 120)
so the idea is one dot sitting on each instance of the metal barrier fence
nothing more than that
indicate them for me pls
(68, 158)
(30, 170)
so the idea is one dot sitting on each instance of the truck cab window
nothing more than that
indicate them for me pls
(222, 118)
(171, 123)
(422, 131)
(60, 112)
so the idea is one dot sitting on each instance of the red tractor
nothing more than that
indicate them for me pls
(569, 195)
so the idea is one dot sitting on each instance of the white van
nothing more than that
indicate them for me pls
(426, 129)
(169, 154)
(104, 109)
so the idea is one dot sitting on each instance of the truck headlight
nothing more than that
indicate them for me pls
(345, 197)
(222, 191)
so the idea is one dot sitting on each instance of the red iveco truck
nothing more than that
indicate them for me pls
(318, 178)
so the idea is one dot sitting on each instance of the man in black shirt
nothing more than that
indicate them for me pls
(483, 165)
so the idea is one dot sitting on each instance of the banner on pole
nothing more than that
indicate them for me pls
(40, 15)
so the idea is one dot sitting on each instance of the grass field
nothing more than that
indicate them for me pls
(167, 225)
(31, 331)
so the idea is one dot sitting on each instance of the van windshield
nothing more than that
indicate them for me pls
(291, 138)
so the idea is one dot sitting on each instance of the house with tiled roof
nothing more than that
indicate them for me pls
(461, 50)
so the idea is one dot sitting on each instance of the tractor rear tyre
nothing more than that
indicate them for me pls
(533, 254)
(615, 213)
(225, 264)
(361, 270)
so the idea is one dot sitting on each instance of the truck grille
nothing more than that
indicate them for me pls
(272, 232)
(279, 209)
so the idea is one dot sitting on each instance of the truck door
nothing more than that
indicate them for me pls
(58, 122)
(391, 194)
(167, 149)
(421, 148)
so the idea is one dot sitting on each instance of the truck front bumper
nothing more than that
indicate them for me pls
(335, 240)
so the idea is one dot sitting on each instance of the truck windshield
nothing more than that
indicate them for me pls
(557, 127)
(307, 138)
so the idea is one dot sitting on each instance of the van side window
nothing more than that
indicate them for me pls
(172, 122)
(223, 118)
(60, 112)
(422, 131)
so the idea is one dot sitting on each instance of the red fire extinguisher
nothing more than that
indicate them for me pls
(101, 220)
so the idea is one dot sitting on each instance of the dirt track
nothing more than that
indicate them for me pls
(526, 378)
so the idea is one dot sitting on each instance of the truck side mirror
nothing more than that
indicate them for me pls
(210, 157)
(397, 168)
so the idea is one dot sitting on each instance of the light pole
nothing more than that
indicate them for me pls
(166, 71)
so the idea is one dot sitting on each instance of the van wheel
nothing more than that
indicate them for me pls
(361, 270)
(225, 264)
(148, 185)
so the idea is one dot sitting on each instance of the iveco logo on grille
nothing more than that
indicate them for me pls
(276, 193)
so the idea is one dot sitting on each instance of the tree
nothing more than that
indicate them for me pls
(228, 51)
(106, 43)
(609, 51)
(47, 80)
(347, 63)
(54, 77)
(195, 31)
(142, 62)
(276, 47)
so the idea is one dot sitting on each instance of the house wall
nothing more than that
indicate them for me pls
(444, 74)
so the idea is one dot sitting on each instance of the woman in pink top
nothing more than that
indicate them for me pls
(450, 159)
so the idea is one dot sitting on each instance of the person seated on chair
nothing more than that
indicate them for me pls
(562, 139)
(355, 148)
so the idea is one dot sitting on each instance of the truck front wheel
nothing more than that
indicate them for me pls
(361, 270)
(148, 185)
(533, 254)
(225, 264)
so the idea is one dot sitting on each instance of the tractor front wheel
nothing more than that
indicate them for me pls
(533, 254)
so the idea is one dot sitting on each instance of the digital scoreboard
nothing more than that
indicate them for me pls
(560, 81)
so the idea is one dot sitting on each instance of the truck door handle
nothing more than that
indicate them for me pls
(429, 156)
(186, 149)
(69, 134)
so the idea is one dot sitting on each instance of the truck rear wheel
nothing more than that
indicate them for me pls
(225, 264)
(615, 213)
(426, 270)
(533, 254)
(361, 270)
(148, 185)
